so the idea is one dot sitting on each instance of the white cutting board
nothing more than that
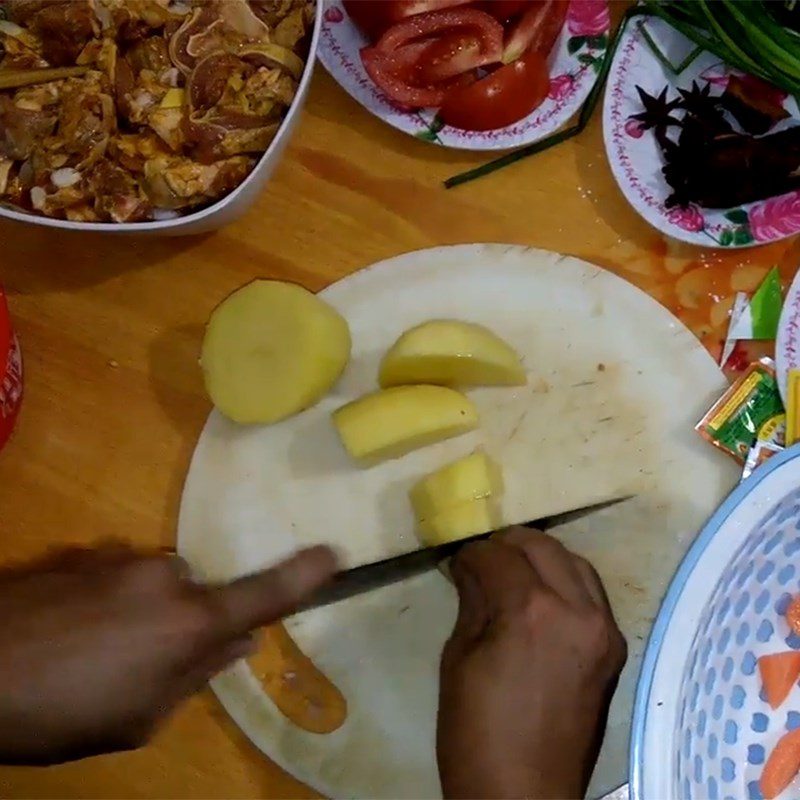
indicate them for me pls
(615, 387)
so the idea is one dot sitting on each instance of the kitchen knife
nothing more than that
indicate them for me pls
(367, 577)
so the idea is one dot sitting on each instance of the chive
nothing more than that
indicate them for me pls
(666, 63)
(722, 34)
(763, 41)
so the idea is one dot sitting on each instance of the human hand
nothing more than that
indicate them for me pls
(97, 646)
(528, 674)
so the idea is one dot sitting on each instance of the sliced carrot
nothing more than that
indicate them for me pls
(298, 688)
(793, 615)
(782, 765)
(779, 672)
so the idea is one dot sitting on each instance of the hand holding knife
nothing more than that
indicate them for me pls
(368, 577)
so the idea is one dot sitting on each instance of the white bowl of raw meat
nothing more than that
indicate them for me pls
(154, 117)
(460, 73)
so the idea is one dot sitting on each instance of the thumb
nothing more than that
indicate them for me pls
(264, 597)
(473, 615)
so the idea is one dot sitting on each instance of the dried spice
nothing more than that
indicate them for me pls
(711, 164)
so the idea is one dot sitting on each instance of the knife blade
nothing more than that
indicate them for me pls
(367, 577)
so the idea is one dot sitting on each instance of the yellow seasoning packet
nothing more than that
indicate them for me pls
(750, 409)
(792, 406)
(773, 431)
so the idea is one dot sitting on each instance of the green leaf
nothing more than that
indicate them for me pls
(426, 135)
(726, 237)
(597, 42)
(585, 58)
(742, 236)
(765, 304)
(738, 216)
(575, 43)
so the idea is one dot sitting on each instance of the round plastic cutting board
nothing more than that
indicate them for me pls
(615, 386)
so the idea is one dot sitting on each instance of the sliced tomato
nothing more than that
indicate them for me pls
(404, 62)
(457, 52)
(417, 59)
(435, 23)
(400, 83)
(370, 16)
(373, 17)
(537, 29)
(507, 95)
(503, 10)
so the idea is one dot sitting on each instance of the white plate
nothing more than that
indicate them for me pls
(615, 386)
(574, 60)
(701, 728)
(636, 159)
(787, 342)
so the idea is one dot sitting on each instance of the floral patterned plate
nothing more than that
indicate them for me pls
(574, 62)
(787, 342)
(636, 158)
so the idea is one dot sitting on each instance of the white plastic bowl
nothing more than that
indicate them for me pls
(701, 727)
(226, 209)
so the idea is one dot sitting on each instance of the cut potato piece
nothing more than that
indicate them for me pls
(470, 478)
(272, 349)
(451, 353)
(392, 422)
(458, 522)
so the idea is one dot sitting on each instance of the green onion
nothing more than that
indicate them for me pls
(743, 33)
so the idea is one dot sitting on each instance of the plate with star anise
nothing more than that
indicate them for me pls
(703, 152)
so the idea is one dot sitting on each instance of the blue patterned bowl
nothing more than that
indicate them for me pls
(701, 728)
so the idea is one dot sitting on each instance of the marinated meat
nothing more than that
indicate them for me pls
(179, 99)
(22, 129)
(64, 28)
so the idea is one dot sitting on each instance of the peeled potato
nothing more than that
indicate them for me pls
(272, 349)
(458, 522)
(470, 478)
(451, 353)
(392, 422)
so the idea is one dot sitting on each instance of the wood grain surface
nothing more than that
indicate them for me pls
(111, 326)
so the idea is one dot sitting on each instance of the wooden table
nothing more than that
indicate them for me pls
(111, 327)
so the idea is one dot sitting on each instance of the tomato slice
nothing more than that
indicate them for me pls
(419, 58)
(453, 53)
(373, 17)
(503, 10)
(404, 62)
(537, 29)
(507, 95)
(435, 23)
(400, 83)
(370, 16)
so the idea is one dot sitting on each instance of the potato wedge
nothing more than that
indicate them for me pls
(470, 478)
(458, 522)
(393, 422)
(272, 349)
(451, 353)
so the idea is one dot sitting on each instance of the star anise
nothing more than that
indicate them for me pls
(657, 111)
(700, 103)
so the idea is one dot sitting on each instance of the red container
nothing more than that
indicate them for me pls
(10, 373)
